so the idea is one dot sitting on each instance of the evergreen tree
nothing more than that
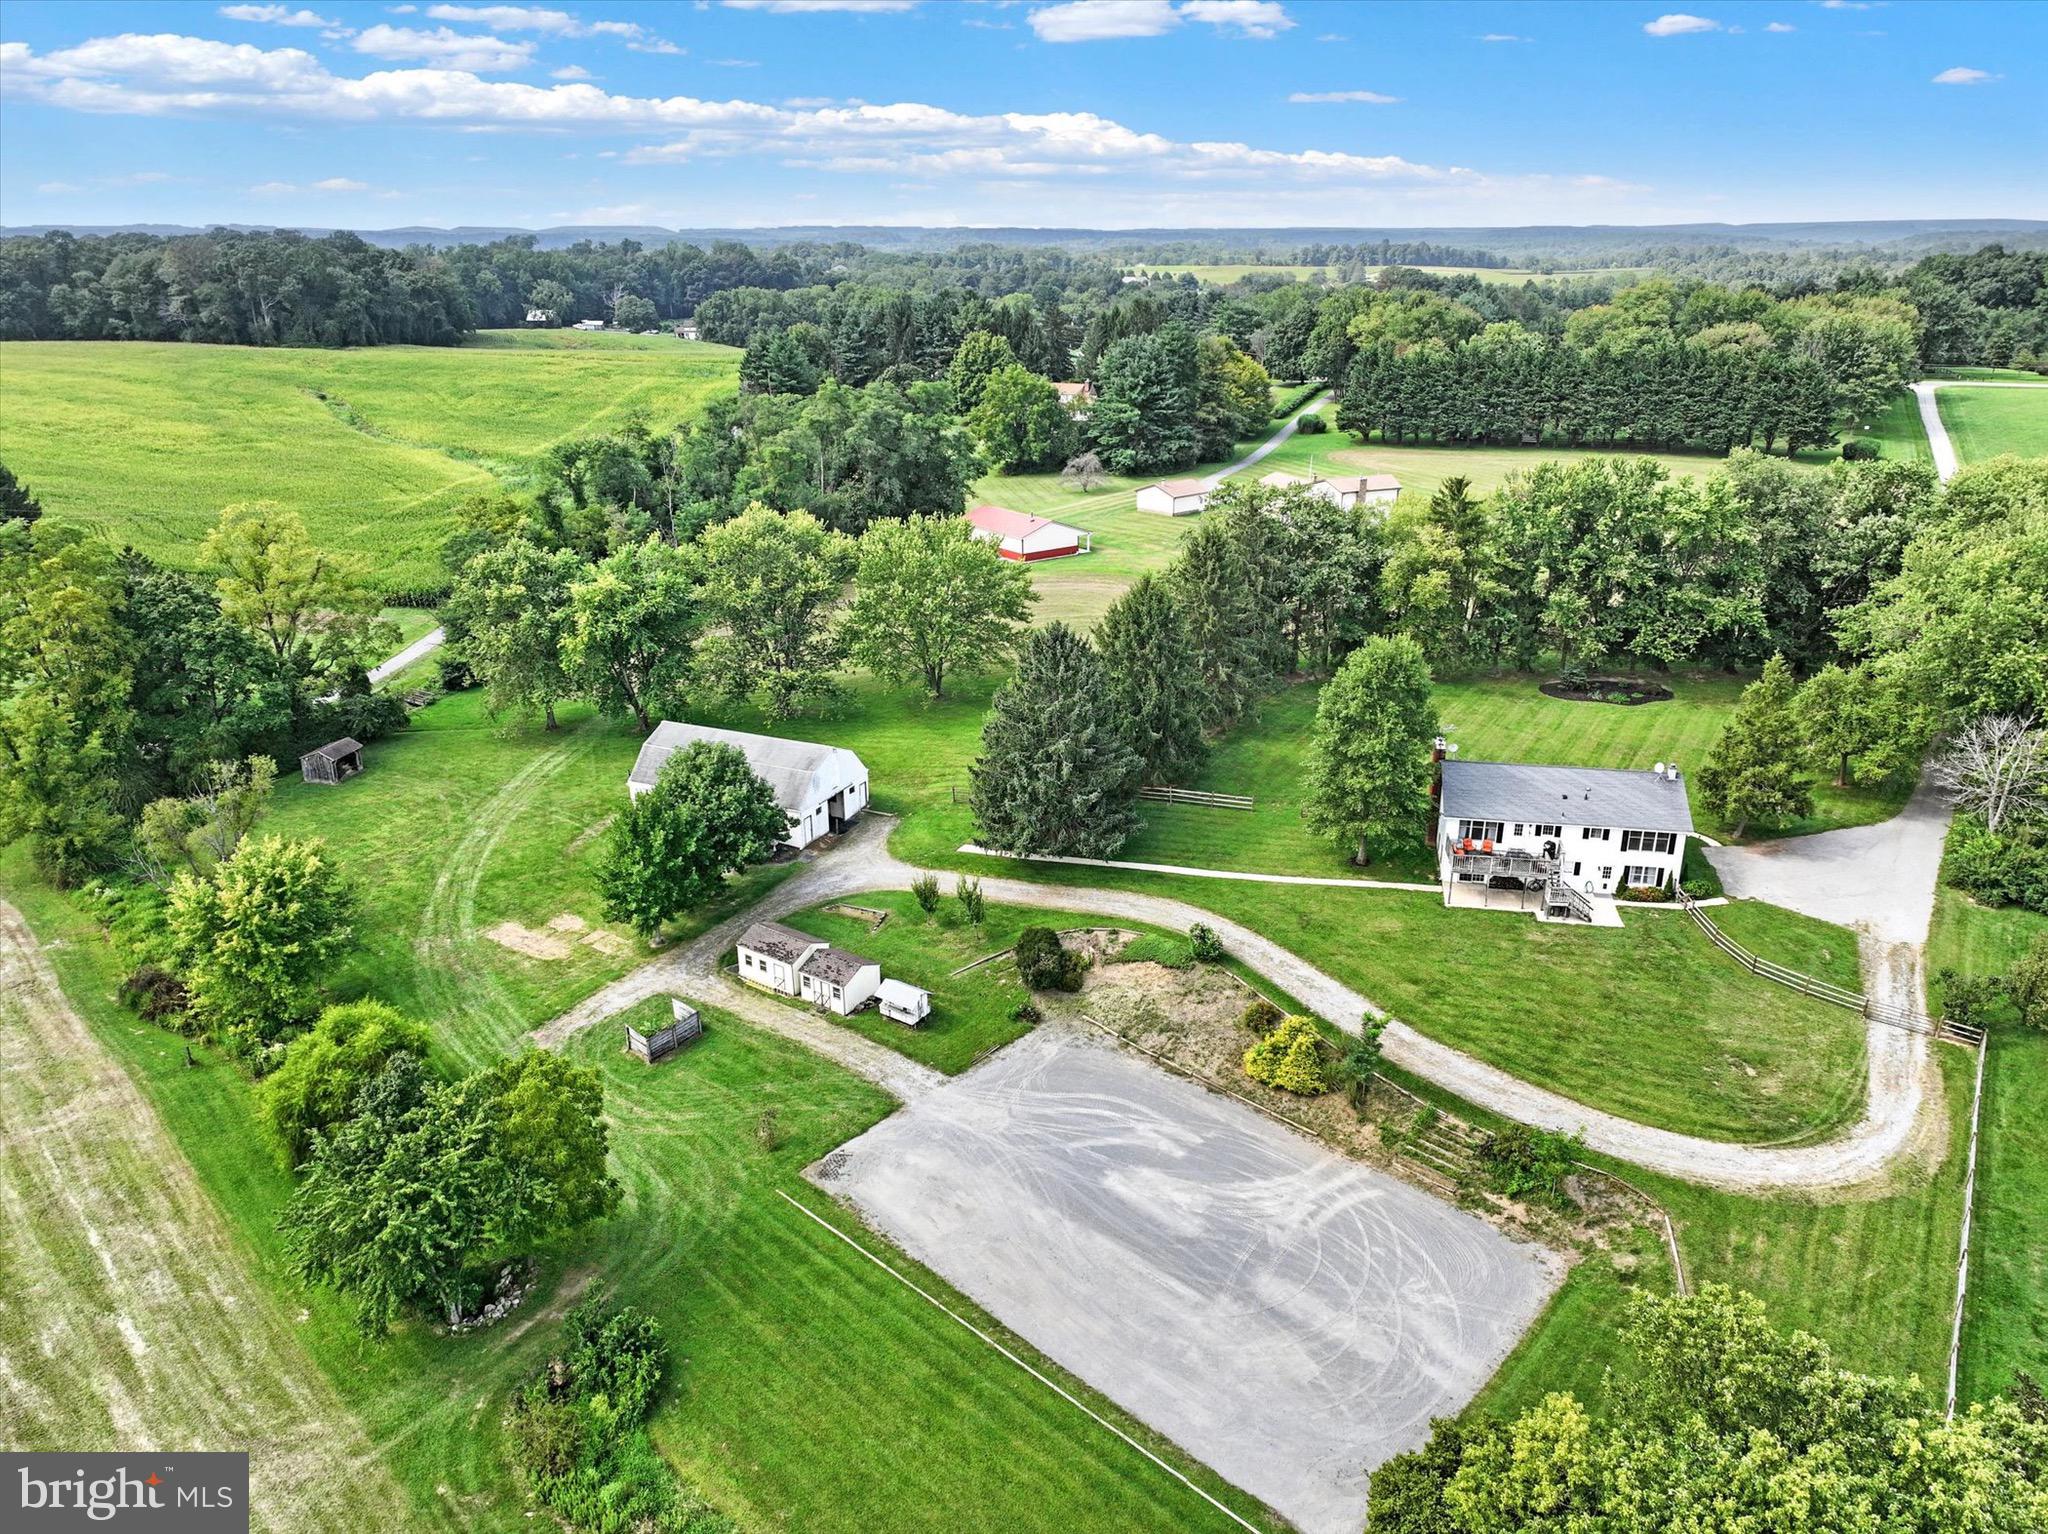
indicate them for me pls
(981, 356)
(1368, 763)
(1756, 772)
(1155, 679)
(1057, 774)
(16, 504)
(1217, 592)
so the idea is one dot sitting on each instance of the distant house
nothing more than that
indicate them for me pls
(589, 325)
(1280, 479)
(1077, 397)
(1570, 833)
(1349, 490)
(1175, 497)
(540, 317)
(1017, 535)
(901, 1002)
(822, 789)
(687, 331)
(794, 963)
(335, 762)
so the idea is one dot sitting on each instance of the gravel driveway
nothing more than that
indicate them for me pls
(1288, 1316)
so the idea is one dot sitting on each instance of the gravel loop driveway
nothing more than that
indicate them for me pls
(1906, 849)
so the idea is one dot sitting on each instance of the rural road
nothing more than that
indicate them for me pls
(1259, 454)
(1938, 442)
(426, 644)
(863, 862)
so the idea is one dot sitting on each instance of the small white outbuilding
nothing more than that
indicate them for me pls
(1175, 497)
(902, 1002)
(793, 963)
(822, 789)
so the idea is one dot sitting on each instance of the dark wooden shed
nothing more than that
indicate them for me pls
(334, 762)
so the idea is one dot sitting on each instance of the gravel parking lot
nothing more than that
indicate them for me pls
(1287, 1316)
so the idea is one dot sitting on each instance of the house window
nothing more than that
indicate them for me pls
(1518, 828)
(1607, 873)
(1649, 841)
(1644, 876)
(1594, 833)
(1479, 830)
(1547, 830)
(1577, 869)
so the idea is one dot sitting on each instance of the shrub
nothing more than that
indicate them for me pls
(1290, 1058)
(1043, 964)
(925, 890)
(1699, 889)
(1026, 1012)
(972, 903)
(1204, 944)
(1999, 867)
(315, 1085)
(1313, 426)
(1651, 894)
(1260, 1016)
(155, 993)
(1860, 450)
(1523, 1162)
(614, 1351)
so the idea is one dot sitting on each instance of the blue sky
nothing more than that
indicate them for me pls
(1103, 113)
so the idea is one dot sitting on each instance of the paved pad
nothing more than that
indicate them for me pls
(1287, 1316)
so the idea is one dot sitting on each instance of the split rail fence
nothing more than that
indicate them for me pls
(1199, 796)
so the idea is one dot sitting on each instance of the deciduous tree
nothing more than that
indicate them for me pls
(669, 850)
(510, 605)
(772, 587)
(632, 627)
(326, 1067)
(930, 598)
(1756, 774)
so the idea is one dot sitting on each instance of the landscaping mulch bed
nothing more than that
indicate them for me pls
(1624, 690)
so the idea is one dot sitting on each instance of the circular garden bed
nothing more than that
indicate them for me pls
(1625, 690)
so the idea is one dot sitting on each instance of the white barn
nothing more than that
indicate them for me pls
(794, 963)
(1017, 535)
(1349, 490)
(1175, 497)
(1573, 833)
(822, 789)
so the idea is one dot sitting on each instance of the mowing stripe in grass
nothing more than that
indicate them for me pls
(1955, 1345)
(1049, 1384)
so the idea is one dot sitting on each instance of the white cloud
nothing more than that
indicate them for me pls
(507, 18)
(276, 16)
(1065, 162)
(272, 188)
(1962, 76)
(1302, 98)
(1504, 37)
(340, 184)
(1845, 5)
(1678, 24)
(444, 46)
(737, 63)
(1248, 18)
(1091, 21)
(58, 188)
(572, 72)
(798, 7)
(1332, 37)
(1780, 26)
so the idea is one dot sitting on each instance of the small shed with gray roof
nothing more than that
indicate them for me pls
(335, 762)
(822, 789)
(794, 963)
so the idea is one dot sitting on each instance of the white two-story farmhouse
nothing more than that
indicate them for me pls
(1575, 836)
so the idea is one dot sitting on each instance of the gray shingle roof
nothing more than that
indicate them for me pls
(776, 941)
(834, 966)
(335, 748)
(1578, 796)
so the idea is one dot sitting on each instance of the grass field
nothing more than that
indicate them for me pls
(1898, 433)
(1986, 422)
(2005, 1323)
(1986, 375)
(374, 447)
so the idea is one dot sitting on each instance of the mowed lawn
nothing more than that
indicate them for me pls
(375, 447)
(1986, 422)
(1898, 432)
(809, 1388)
(2005, 1326)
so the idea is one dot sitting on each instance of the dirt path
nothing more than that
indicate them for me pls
(128, 1318)
(863, 862)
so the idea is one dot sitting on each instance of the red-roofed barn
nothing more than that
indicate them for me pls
(1017, 536)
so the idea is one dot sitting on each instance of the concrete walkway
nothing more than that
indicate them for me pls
(862, 861)
(1945, 463)
(1265, 449)
(426, 644)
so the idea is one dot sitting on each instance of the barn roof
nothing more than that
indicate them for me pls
(1579, 796)
(1005, 523)
(1359, 484)
(788, 767)
(334, 749)
(1180, 487)
(1280, 479)
(777, 941)
(835, 966)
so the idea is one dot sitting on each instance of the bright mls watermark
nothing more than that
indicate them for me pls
(161, 1493)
